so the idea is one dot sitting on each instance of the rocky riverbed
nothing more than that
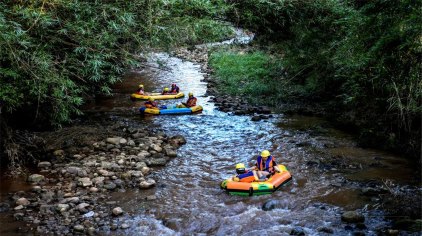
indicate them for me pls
(70, 193)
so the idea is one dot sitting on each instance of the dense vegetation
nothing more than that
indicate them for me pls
(360, 59)
(55, 53)
(251, 74)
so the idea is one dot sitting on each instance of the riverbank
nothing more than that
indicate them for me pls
(69, 191)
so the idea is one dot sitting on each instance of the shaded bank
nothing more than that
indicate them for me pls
(259, 77)
(357, 60)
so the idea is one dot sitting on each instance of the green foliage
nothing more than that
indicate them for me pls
(179, 22)
(247, 74)
(54, 53)
(379, 57)
(359, 56)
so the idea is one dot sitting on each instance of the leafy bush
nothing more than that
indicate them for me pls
(54, 53)
(358, 56)
(247, 74)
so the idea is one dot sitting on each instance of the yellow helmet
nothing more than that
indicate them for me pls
(141, 86)
(265, 153)
(151, 99)
(166, 89)
(190, 94)
(240, 168)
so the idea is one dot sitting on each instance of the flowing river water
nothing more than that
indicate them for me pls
(188, 200)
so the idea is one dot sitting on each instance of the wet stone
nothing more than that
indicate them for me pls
(18, 216)
(114, 227)
(326, 230)
(79, 228)
(110, 185)
(270, 205)
(117, 211)
(114, 141)
(22, 201)
(84, 182)
(44, 164)
(297, 231)
(352, 217)
(36, 178)
(36, 189)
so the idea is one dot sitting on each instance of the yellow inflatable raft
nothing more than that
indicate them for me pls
(170, 111)
(156, 96)
(258, 188)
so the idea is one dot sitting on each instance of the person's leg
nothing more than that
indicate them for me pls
(263, 174)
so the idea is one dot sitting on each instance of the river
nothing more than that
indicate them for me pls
(188, 197)
(329, 170)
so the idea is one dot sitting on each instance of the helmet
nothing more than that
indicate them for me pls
(166, 89)
(240, 165)
(141, 86)
(265, 153)
(151, 99)
(240, 168)
(190, 94)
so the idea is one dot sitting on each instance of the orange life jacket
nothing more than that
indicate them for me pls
(267, 166)
(191, 102)
(151, 104)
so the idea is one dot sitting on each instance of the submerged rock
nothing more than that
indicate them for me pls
(352, 217)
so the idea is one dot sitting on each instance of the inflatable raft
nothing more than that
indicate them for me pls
(258, 188)
(170, 111)
(156, 96)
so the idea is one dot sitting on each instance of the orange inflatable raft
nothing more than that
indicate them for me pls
(258, 188)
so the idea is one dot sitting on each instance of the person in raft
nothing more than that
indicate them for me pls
(266, 165)
(245, 175)
(191, 102)
(140, 90)
(174, 88)
(151, 104)
(165, 91)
